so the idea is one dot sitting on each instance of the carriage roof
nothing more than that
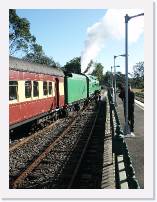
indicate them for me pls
(23, 65)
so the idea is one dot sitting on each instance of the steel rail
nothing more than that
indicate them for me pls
(82, 154)
(24, 141)
(18, 181)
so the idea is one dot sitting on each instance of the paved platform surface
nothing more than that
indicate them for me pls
(135, 144)
(108, 171)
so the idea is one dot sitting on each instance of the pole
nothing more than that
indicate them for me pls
(127, 18)
(126, 74)
(111, 78)
(114, 81)
(112, 84)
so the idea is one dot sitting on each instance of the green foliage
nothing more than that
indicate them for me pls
(137, 80)
(20, 38)
(139, 70)
(98, 71)
(41, 59)
(73, 66)
(37, 55)
(138, 75)
(107, 79)
(120, 78)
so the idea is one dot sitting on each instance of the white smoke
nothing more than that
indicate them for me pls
(112, 25)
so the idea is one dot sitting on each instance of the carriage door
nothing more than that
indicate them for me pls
(57, 92)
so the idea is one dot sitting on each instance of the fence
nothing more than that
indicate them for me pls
(124, 172)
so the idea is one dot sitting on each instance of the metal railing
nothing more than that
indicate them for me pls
(119, 148)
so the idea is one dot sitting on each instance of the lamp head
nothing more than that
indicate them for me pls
(123, 55)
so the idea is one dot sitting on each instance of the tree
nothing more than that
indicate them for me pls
(73, 66)
(139, 70)
(42, 59)
(98, 71)
(35, 53)
(20, 38)
(107, 79)
(120, 79)
(138, 75)
(38, 56)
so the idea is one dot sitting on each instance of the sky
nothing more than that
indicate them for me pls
(96, 34)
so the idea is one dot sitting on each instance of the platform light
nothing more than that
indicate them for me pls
(127, 18)
(115, 56)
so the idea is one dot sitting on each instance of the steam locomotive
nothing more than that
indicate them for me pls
(39, 92)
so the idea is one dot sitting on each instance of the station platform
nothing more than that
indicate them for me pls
(114, 165)
(135, 144)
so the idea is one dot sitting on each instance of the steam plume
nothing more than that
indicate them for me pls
(88, 67)
(111, 26)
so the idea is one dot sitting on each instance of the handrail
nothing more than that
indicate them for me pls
(120, 146)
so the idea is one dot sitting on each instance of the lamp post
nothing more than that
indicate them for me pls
(115, 56)
(115, 85)
(112, 80)
(127, 18)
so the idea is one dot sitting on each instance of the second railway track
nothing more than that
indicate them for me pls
(44, 169)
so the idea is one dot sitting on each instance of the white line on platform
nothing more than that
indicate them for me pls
(139, 104)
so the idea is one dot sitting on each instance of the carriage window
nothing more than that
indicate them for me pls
(35, 89)
(28, 89)
(45, 91)
(50, 88)
(13, 88)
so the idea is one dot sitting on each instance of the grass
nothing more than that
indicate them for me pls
(135, 90)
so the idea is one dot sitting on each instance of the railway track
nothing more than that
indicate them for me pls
(21, 138)
(85, 167)
(26, 160)
(18, 143)
(88, 169)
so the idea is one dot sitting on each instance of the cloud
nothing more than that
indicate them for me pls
(111, 26)
(115, 21)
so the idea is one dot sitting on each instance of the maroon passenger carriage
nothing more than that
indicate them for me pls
(36, 92)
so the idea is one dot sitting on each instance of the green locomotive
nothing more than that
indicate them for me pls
(79, 87)
(75, 86)
(93, 85)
